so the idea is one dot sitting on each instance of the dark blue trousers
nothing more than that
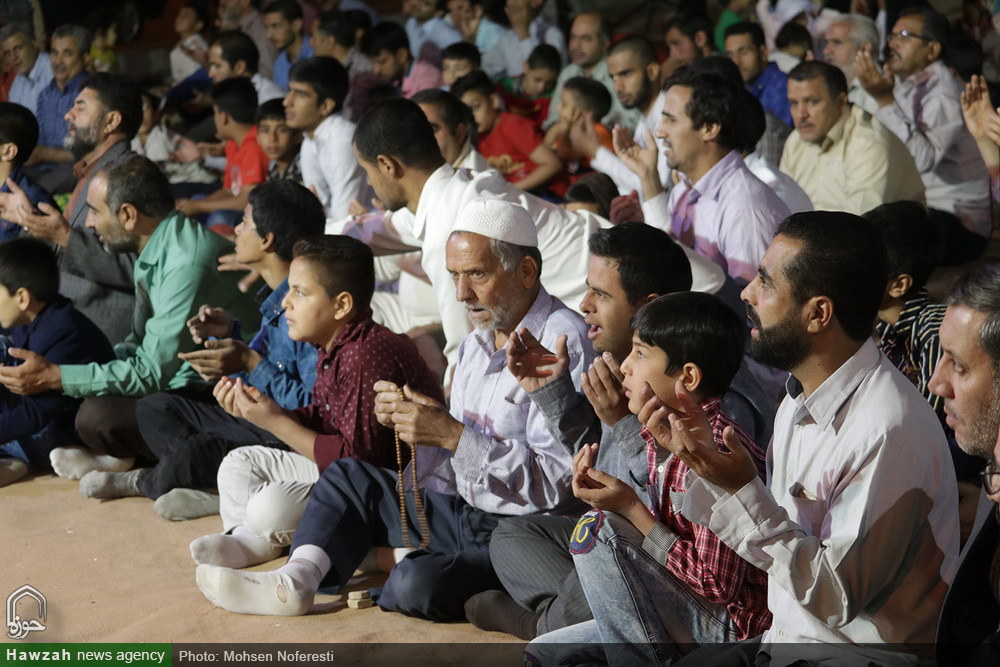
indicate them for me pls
(355, 506)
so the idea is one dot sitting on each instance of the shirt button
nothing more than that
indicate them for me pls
(326, 365)
(327, 407)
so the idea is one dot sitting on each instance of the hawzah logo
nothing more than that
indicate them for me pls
(16, 628)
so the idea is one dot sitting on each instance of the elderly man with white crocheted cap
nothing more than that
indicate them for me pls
(487, 457)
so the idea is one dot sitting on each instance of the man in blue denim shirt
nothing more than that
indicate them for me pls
(189, 437)
(745, 46)
(18, 138)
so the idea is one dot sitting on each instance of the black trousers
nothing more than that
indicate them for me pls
(355, 506)
(189, 438)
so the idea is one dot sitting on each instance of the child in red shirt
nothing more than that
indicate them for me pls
(513, 145)
(580, 98)
(234, 104)
(530, 93)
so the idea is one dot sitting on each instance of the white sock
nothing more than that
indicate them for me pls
(75, 462)
(288, 591)
(99, 484)
(184, 504)
(240, 549)
(400, 553)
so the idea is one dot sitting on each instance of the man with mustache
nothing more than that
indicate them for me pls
(918, 99)
(857, 526)
(32, 65)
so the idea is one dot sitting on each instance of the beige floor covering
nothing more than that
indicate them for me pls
(113, 571)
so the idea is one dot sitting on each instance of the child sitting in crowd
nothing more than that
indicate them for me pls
(279, 142)
(192, 50)
(530, 93)
(512, 144)
(581, 97)
(42, 321)
(18, 138)
(457, 60)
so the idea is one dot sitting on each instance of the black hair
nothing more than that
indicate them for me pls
(236, 46)
(344, 264)
(843, 257)
(647, 259)
(116, 93)
(713, 101)
(722, 66)
(289, 211)
(270, 110)
(362, 21)
(101, 20)
(386, 36)
(979, 289)
(936, 26)
(463, 51)
(236, 97)
(397, 127)
(545, 56)
(591, 96)
(965, 56)
(199, 11)
(453, 112)
(477, 82)
(18, 126)
(690, 24)
(912, 241)
(339, 25)
(32, 264)
(638, 47)
(747, 28)
(289, 9)
(793, 34)
(833, 77)
(752, 119)
(136, 180)
(325, 75)
(695, 328)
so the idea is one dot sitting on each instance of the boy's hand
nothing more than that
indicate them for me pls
(583, 136)
(692, 440)
(47, 223)
(230, 263)
(606, 492)
(532, 364)
(602, 385)
(221, 357)
(209, 321)
(33, 376)
(654, 415)
(226, 397)
(257, 408)
(420, 420)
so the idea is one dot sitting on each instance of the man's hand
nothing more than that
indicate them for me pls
(692, 440)
(602, 385)
(209, 321)
(626, 208)
(257, 408)
(877, 83)
(420, 420)
(641, 161)
(583, 136)
(47, 223)
(33, 376)
(388, 395)
(532, 364)
(221, 357)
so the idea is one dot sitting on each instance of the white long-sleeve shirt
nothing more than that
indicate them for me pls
(328, 164)
(509, 52)
(857, 527)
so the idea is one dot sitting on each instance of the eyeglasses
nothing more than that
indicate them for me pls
(906, 35)
(991, 478)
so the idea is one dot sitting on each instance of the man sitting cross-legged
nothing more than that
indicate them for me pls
(630, 265)
(657, 583)
(263, 491)
(191, 437)
(491, 456)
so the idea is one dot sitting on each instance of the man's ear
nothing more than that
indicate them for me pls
(819, 314)
(934, 51)
(112, 121)
(710, 132)
(653, 71)
(899, 285)
(644, 300)
(240, 68)
(389, 166)
(528, 271)
(268, 242)
(327, 107)
(128, 216)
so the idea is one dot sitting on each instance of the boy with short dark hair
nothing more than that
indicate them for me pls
(234, 103)
(457, 60)
(580, 97)
(513, 145)
(40, 320)
(18, 138)
(686, 349)
(278, 141)
(530, 93)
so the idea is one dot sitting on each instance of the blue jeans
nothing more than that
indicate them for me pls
(642, 613)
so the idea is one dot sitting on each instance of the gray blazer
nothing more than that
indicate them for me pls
(98, 280)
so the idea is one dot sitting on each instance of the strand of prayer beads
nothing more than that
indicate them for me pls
(418, 499)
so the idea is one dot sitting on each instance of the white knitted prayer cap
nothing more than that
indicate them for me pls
(498, 219)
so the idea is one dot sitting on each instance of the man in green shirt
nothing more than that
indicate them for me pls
(131, 209)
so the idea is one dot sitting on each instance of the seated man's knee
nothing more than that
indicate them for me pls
(414, 587)
(272, 514)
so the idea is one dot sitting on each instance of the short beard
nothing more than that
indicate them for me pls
(782, 346)
(983, 427)
(82, 141)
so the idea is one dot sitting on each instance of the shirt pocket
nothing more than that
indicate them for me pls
(808, 509)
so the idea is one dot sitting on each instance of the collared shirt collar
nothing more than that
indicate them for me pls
(82, 168)
(270, 301)
(921, 76)
(351, 331)
(533, 320)
(763, 79)
(911, 310)
(710, 184)
(72, 83)
(39, 68)
(824, 403)
(836, 132)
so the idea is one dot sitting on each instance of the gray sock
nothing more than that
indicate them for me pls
(97, 484)
(184, 504)
(12, 470)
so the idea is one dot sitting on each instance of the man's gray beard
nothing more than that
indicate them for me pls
(81, 142)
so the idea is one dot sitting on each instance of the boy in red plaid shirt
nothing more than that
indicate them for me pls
(659, 585)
